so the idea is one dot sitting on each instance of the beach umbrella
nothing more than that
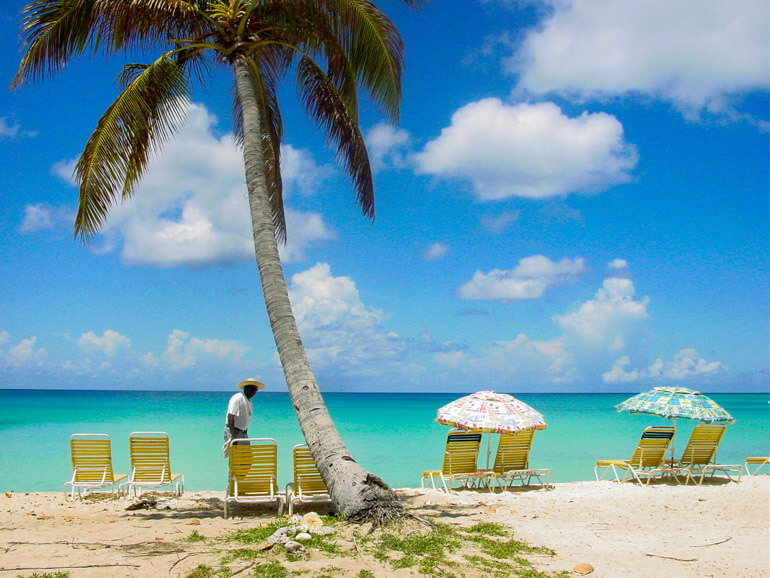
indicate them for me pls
(490, 412)
(676, 402)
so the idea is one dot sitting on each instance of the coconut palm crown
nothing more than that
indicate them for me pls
(331, 46)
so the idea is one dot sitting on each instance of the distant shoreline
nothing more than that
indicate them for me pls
(324, 391)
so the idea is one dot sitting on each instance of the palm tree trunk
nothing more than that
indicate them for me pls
(355, 492)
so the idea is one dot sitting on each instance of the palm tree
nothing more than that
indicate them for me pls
(331, 45)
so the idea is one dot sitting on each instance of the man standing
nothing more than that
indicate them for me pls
(239, 410)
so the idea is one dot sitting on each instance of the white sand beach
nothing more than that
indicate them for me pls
(717, 529)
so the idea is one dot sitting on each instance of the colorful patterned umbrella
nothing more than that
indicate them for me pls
(490, 412)
(674, 402)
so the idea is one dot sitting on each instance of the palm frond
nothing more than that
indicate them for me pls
(374, 48)
(53, 32)
(144, 24)
(325, 104)
(149, 109)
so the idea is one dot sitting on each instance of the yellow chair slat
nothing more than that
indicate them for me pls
(91, 456)
(308, 485)
(648, 457)
(253, 472)
(151, 463)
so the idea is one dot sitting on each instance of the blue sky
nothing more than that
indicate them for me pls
(575, 199)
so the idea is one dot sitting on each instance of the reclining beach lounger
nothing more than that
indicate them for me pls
(151, 463)
(647, 460)
(253, 473)
(512, 461)
(700, 454)
(460, 457)
(308, 485)
(91, 464)
(755, 461)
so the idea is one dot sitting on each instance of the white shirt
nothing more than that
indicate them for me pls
(241, 407)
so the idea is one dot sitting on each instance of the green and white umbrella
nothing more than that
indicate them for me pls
(676, 402)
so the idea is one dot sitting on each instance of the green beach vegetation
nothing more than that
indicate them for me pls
(333, 47)
(428, 549)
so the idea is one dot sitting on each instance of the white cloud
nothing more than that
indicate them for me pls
(185, 352)
(110, 343)
(44, 217)
(12, 130)
(24, 354)
(528, 280)
(300, 172)
(694, 53)
(451, 358)
(435, 251)
(387, 146)
(336, 326)
(687, 363)
(606, 319)
(618, 264)
(618, 372)
(532, 151)
(500, 222)
(191, 208)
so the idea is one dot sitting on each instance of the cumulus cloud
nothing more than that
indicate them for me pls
(387, 146)
(191, 208)
(109, 344)
(693, 53)
(686, 364)
(619, 374)
(24, 354)
(185, 352)
(533, 151)
(606, 319)
(336, 326)
(44, 217)
(528, 280)
(435, 251)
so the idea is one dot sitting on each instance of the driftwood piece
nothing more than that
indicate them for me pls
(67, 567)
(671, 557)
(713, 543)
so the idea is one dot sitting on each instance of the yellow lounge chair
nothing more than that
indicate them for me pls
(151, 463)
(700, 454)
(91, 464)
(758, 462)
(253, 473)
(512, 461)
(460, 456)
(308, 485)
(647, 460)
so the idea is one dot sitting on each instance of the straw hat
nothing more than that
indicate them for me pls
(251, 381)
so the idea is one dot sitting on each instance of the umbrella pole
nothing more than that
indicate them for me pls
(673, 444)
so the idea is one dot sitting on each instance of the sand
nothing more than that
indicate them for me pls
(717, 529)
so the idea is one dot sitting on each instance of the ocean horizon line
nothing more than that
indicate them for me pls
(377, 392)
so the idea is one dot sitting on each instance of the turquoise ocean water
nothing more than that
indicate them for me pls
(392, 435)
